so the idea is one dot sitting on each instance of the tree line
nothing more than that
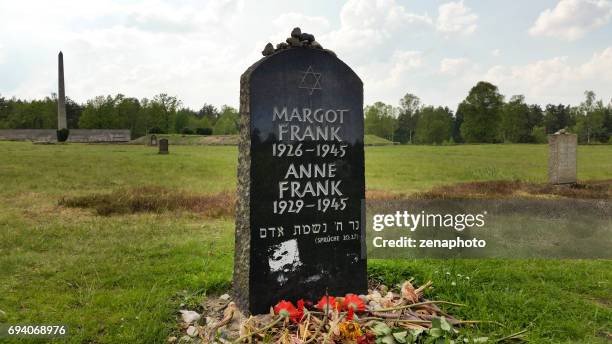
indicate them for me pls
(162, 114)
(485, 117)
(482, 117)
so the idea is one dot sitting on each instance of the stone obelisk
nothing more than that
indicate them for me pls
(61, 94)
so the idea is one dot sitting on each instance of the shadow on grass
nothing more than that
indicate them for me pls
(153, 199)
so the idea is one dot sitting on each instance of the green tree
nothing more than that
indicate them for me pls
(456, 128)
(196, 122)
(380, 120)
(129, 116)
(5, 110)
(100, 113)
(536, 116)
(407, 118)
(514, 125)
(481, 111)
(35, 114)
(210, 112)
(539, 134)
(608, 123)
(557, 117)
(181, 120)
(591, 119)
(435, 125)
(73, 113)
(227, 124)
(163, 111)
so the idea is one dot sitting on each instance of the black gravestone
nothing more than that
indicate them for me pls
(153, 141)
(163, 146)
(301, 180)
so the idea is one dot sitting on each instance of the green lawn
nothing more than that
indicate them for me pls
(121, 278)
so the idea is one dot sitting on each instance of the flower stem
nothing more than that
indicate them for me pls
(269, 326)
(314, 336)
(417, 305)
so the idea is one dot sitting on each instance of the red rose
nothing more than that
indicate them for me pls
(352, 301)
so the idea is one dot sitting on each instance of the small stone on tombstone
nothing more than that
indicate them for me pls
(562, 158)
(307, 37)
(296, 32)
(163, 146)
(268, 50)
(294, 42)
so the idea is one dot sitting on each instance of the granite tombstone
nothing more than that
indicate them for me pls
(562, 157)
(301, 179)
(163, 146)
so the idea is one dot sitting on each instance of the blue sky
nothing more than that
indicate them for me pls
(550, 51)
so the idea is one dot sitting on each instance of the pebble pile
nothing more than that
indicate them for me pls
(298, 39)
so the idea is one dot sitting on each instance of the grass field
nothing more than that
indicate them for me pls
(121, 278)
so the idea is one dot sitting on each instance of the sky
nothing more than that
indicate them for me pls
(550, 51)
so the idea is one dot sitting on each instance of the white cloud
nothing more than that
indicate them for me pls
(496, 52)
(599, 66)
(287, 21)
(384, 76)
(572, 19)
(379, 14)
(404, 61)
(555, 80)
(1, 54)
(455, 17)
(366, 24)
(454, 66)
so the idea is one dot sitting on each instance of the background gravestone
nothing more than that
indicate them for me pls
(153, 140)
(562, 158)
(163, 146)
(300, 179)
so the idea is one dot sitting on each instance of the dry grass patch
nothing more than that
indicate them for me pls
(505, 189)
(153, 199)
(380, 195)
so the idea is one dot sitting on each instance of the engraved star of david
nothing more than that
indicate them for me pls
(311, 80)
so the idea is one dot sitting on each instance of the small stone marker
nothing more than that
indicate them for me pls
(163, 146)
(153, 140)
(301, 182)
(562, 158)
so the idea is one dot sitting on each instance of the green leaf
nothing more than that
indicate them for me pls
(445, 325)
(417, 332)
(400, 336)
(480, 340)
(435, 323)
(388, 340)
(435, 332)
(381, 329)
